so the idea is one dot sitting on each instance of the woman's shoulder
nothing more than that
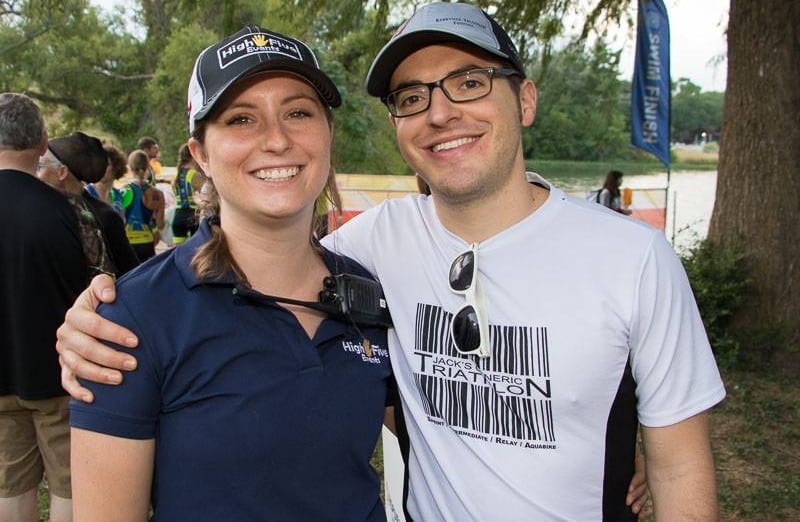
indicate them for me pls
(151, 278)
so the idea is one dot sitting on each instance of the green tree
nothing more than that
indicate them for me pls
(125, 81)
(578, 115)
(101, 73)
(695, 112)
(167, 90)
(83, 75)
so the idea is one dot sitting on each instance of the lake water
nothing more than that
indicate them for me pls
(690, 198)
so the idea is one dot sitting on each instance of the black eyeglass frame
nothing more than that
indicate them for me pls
(492, 72)
(475, 304)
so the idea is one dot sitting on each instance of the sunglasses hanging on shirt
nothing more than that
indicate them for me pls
(469, 328)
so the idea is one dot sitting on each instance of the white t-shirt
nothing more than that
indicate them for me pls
(574, 292)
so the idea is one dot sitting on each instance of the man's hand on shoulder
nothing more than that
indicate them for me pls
(81, 353)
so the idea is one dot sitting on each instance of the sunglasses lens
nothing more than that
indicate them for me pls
(462, 271)
(466, 330)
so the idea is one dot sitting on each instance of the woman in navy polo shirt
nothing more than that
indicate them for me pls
(241, 408)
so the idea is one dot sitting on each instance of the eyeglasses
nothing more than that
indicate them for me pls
(458, 87)
(469, 328)
(44, 164)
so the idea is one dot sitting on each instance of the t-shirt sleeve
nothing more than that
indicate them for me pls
(129, 410)
(672, 361)
(353, 239)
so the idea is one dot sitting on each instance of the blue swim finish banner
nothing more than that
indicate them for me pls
(650, 94)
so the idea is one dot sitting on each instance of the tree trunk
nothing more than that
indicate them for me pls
(758, 184)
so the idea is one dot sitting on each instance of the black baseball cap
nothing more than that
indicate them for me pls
(252, 50)
(438, 23)
(83, 155)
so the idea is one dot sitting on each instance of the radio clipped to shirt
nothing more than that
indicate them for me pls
(347, 297)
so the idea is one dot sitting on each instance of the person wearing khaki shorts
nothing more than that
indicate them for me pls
(35, 437)
(42, 270)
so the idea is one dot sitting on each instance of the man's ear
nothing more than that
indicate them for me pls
(527, 98)
(63, 172)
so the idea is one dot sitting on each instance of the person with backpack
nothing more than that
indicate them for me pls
(144, 208)
(610, 195)
(187, 182)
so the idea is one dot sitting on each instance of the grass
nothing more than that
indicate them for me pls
(756, 440)
(695, 157)
(755, 436)
(44, 502)
(377, 463)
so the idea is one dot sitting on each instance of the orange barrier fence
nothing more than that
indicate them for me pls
(362, 191)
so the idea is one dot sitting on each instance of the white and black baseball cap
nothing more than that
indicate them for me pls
(252, 50)
(440, 23)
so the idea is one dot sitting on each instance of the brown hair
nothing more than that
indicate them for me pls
(138, 161)
(612, 182)
(116, 160)
(184, 155)
(184, 159)
(213, 259)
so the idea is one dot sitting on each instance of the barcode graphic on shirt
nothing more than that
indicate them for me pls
(505, 395)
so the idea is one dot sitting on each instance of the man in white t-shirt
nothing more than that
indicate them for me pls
(577, 321)
(533, 330)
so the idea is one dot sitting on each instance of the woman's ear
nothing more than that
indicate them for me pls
(199, 155)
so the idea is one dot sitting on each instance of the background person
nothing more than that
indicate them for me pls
(187, 183)
(144, 208)
(67, 165)
(610, 195)
(151, 148)
(235, 412)
(104, 189)
(42, 270)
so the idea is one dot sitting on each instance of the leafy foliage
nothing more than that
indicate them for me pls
(123, 74)
(720, 280)
(167, 90)
(580, 115)
(695, 112)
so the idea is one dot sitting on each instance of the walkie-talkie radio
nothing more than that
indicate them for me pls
(359, 298)
(348, 297)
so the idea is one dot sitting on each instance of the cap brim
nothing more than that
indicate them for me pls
(323, 85)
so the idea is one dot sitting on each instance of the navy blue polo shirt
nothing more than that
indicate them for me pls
(253, 420)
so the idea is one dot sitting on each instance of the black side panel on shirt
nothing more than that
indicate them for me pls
(620, 451)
